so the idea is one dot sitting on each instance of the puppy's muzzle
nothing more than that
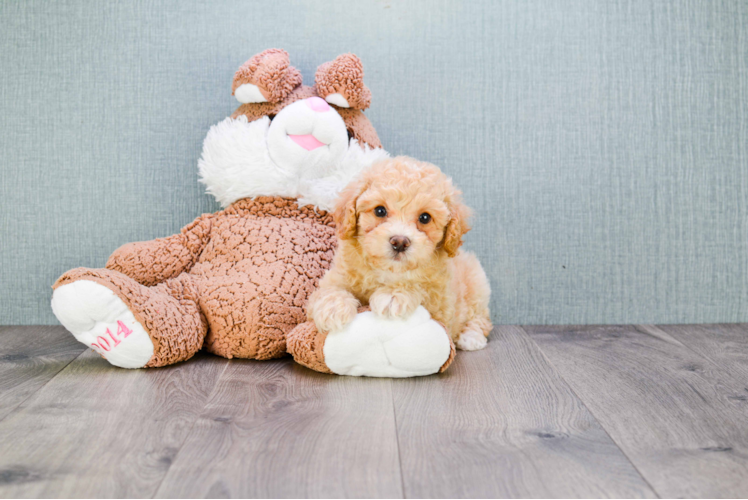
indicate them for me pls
(399, 243)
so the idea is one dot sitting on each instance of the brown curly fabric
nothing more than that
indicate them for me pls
(151, 262)
(344, 75)
(356, 121)
(272, 72)
(246, 275)
(359, 126)
(306, 344)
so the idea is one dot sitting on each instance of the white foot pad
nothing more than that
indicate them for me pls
(374, 346)
(99, 319)
(471, 340)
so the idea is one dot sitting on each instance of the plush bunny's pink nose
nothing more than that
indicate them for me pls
(318, 104)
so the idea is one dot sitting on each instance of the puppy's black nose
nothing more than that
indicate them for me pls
(399, 243)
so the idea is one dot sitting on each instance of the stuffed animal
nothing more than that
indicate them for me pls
(236, 282)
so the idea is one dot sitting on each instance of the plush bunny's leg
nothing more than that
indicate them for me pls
(306, 344)
(130, 325)
(373, 346)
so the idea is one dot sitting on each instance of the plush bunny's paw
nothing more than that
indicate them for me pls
(98, 318)
(374, 346)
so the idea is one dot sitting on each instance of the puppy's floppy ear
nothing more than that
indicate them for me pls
(457, 226)
(344, 215)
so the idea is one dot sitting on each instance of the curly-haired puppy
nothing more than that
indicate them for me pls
(400, 227)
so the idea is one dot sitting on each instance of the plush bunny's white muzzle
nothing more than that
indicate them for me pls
(308, 138)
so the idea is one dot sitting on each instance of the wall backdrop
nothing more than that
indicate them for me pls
(602, 144)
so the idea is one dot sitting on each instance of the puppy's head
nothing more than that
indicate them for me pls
(402, 212)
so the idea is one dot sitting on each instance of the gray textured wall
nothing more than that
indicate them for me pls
(603, 144)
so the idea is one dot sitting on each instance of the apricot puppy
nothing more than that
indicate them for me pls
(400, 227)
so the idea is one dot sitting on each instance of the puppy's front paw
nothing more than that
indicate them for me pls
(334, 310)
(471, 340)
(393, 304)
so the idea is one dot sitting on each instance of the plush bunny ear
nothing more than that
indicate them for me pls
(266, 77)
(341, 82)
(457, 226)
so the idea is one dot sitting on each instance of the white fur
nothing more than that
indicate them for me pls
(88, 309)
(300, 119)
(338, 100)
(322, 192)
(236, 164)
(471, 339)
(249, 93)
(374, 346)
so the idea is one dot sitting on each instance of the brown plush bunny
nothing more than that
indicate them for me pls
(236, 281)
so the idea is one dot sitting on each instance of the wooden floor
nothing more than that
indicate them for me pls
(607, 411)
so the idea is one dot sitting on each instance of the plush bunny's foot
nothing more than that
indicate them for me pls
(99, 319)
(131, 325)
(374, 346)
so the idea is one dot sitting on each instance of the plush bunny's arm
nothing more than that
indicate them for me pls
(151, 262)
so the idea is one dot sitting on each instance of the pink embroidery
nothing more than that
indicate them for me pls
(121, 328)
(115, 340)
(102, 341)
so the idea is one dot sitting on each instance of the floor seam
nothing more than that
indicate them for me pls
(573, 391)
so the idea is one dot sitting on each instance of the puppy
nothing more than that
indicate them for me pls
(400, 227)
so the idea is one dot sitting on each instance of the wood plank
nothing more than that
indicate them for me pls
(29, 357)
(276, 429)
(502, 423)
(100, 431)
(726, 345)
(672, 412)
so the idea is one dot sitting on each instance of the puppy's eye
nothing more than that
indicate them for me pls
(380, 211)
(424, 218)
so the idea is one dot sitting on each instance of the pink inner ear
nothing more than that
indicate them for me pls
(306, 141)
